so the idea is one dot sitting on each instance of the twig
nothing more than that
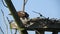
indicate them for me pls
(39, 14)
(4, 4)
(5, 22)
(1, 30)
(37, 31)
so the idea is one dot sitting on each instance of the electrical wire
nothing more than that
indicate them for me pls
(1, 30)
(4, 4)
(9, 24)
(5, 22)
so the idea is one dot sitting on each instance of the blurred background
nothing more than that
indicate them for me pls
(48, 8)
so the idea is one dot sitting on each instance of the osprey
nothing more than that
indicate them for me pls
(24, 17)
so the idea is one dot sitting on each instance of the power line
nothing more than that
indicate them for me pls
(4, 4)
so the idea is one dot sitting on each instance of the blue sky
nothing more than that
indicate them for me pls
(48, 8)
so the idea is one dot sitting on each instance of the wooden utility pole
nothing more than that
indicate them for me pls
(16, 17)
